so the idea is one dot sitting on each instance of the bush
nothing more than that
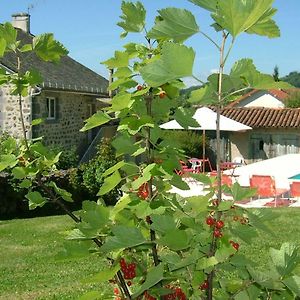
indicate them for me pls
(86, 180)
(189, 141)
(293, 101)
(69, 158)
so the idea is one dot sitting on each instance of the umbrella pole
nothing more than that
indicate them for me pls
(203, 151)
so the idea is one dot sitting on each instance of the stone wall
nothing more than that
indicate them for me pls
(71, 111)
(10, 120)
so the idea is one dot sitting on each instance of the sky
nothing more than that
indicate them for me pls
(88, 30)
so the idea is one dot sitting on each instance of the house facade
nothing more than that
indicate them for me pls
(68, 95)
(275, 132)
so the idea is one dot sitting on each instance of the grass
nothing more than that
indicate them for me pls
(28, 269)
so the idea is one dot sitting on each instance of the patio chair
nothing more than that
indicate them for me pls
(266, 187)
(295, 190)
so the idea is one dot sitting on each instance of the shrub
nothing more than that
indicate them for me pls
(68, 158)
(86, 180)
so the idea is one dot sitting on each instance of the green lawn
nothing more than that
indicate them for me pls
(28, 269)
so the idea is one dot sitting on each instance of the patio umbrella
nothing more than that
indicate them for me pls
(207, 119)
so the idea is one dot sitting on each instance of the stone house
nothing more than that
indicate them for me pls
(67, 97)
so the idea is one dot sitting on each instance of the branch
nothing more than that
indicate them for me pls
(211, 40)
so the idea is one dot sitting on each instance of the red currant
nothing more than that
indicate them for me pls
(210, 221)
(219, 224)
(116, 291)
(162, 95)
(139, 87)
(217, 233)
(204, 285)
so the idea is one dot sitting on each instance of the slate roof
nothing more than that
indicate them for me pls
(262, 117)
(68, 74)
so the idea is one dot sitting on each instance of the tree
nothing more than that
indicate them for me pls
(292, 78)
(276, 74)
(158, 245)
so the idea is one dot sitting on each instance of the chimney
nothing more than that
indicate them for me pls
(21, 21)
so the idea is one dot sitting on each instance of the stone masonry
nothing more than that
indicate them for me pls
(10, 120)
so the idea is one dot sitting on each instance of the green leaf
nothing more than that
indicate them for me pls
(206, 262)
(122, 72)
(154, 276)
(174, 23)
(99, 118)
(286, 259)
(210, 5)
(293, 283)
(61, 192)
(124, 237)
(25, 184)
(246, 70)
(164, 69)
(237, 16)
(2, 46)
(266, 279)
(121, 101)
(124, 144)
(185, 117)
(241, 193)
(244, 232)
(179, 183)
(7, 161)
(163, 223)
(47, 48)
(103, 276)
(134, 124)
(266, 26)
(224, 252)
(35, 200)
(9, 34)
(37, 121)
(114, 168)
(146, 176)
(198, 203)
(19, 172)
(110, 183)
(121, 59)
(73, 250)
(176, 239)
(133, 17)
(26, 48)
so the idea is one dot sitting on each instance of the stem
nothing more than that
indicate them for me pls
(213, 245)
(229, 50)
(211, 40)
(196, 78)
(150, 160)
(20, 104)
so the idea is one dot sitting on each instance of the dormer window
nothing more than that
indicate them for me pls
(51, 108)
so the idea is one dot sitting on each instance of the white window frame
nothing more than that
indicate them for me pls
(51, 109)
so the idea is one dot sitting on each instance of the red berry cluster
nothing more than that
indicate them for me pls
(117, 294)
(217, 225)
(236, 246)
(178, 294)
(204, 285)
(143, 191)
(147, 296)
(128, 270)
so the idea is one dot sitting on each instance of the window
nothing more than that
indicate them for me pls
(51, 108)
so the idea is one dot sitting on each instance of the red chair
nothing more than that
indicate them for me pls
(295, 190)
(266, 188)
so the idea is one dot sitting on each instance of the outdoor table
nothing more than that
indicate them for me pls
(200, 163)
